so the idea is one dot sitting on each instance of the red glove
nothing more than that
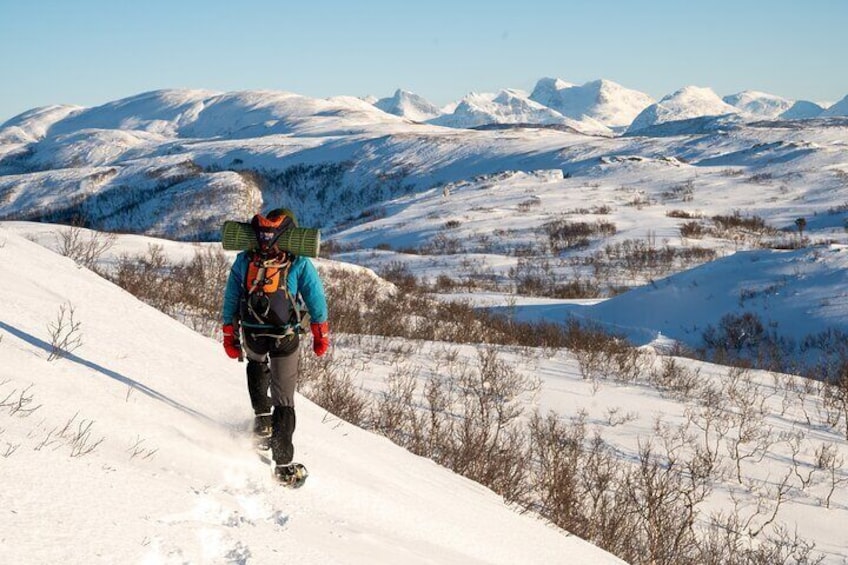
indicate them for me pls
(231, 344)
(320, 337)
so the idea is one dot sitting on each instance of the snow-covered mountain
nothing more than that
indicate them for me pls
(761, 105)
(208, 114)
(688, 102)
(838, 109)
(129, 165)
(802, 110)
(604, 101)
(509, 106)
(408, 105)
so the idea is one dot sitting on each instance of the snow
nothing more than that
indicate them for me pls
(509, 107)
(147, 383)
(688, 102)
(174, 478)
(759, 104)
(604, 101)
(797, 293)
(838, 109)
(408, 105)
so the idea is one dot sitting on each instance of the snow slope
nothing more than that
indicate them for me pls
(796, 293)
(201, 497)
(174, 480)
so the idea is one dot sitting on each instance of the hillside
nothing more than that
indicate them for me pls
(133, 448)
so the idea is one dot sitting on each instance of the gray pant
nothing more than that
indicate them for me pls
(281, 356)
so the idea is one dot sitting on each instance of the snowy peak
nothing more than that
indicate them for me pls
(34, 124)
(548, 90)
(508, 107)
(408, 105)
(759, 104)
(159, 111)
(802, 109)
(838, 109)
(207, 114)
(688, 102)
(602, 100)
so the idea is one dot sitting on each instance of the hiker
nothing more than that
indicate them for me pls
(263, 295)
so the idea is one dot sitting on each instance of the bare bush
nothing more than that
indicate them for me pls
(473, 422)
(190, 291)
(75, 434)
(85, 249)
(602, 355)
(737, 224)
(675, 379)
(692, 230)
(563, 234)
(138, 449)
(19, 403)
(65, 333)
(331, 386)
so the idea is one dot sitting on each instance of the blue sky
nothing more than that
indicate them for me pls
(88, 52)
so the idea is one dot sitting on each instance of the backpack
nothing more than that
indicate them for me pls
(266, 300)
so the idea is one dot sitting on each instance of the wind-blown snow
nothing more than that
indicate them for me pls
(175, 480)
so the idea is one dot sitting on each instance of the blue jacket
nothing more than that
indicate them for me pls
(303, 278)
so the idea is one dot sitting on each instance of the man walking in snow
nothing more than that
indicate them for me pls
(263, 295)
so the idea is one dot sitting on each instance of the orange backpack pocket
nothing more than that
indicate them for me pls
(271, 281)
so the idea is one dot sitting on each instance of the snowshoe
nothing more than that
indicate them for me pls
(292, 475)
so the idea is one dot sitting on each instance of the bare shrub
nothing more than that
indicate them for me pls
(602, 355)
(19, 403)
(563, 234)
(473, 422)
(692, 230)
(831, 463)
(400, 275)
(683, 214)
(643, 257)
(84, 249)
(675, 379)
(138, 449)
(736, 223)
(65, 333)
(684, 191)
(534, 276)
(666, 503)
(331, 385)
(190, 291)
(835, 400)
(395, 414)
(76, 434)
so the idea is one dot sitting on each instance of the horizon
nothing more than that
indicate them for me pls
(93, 52)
